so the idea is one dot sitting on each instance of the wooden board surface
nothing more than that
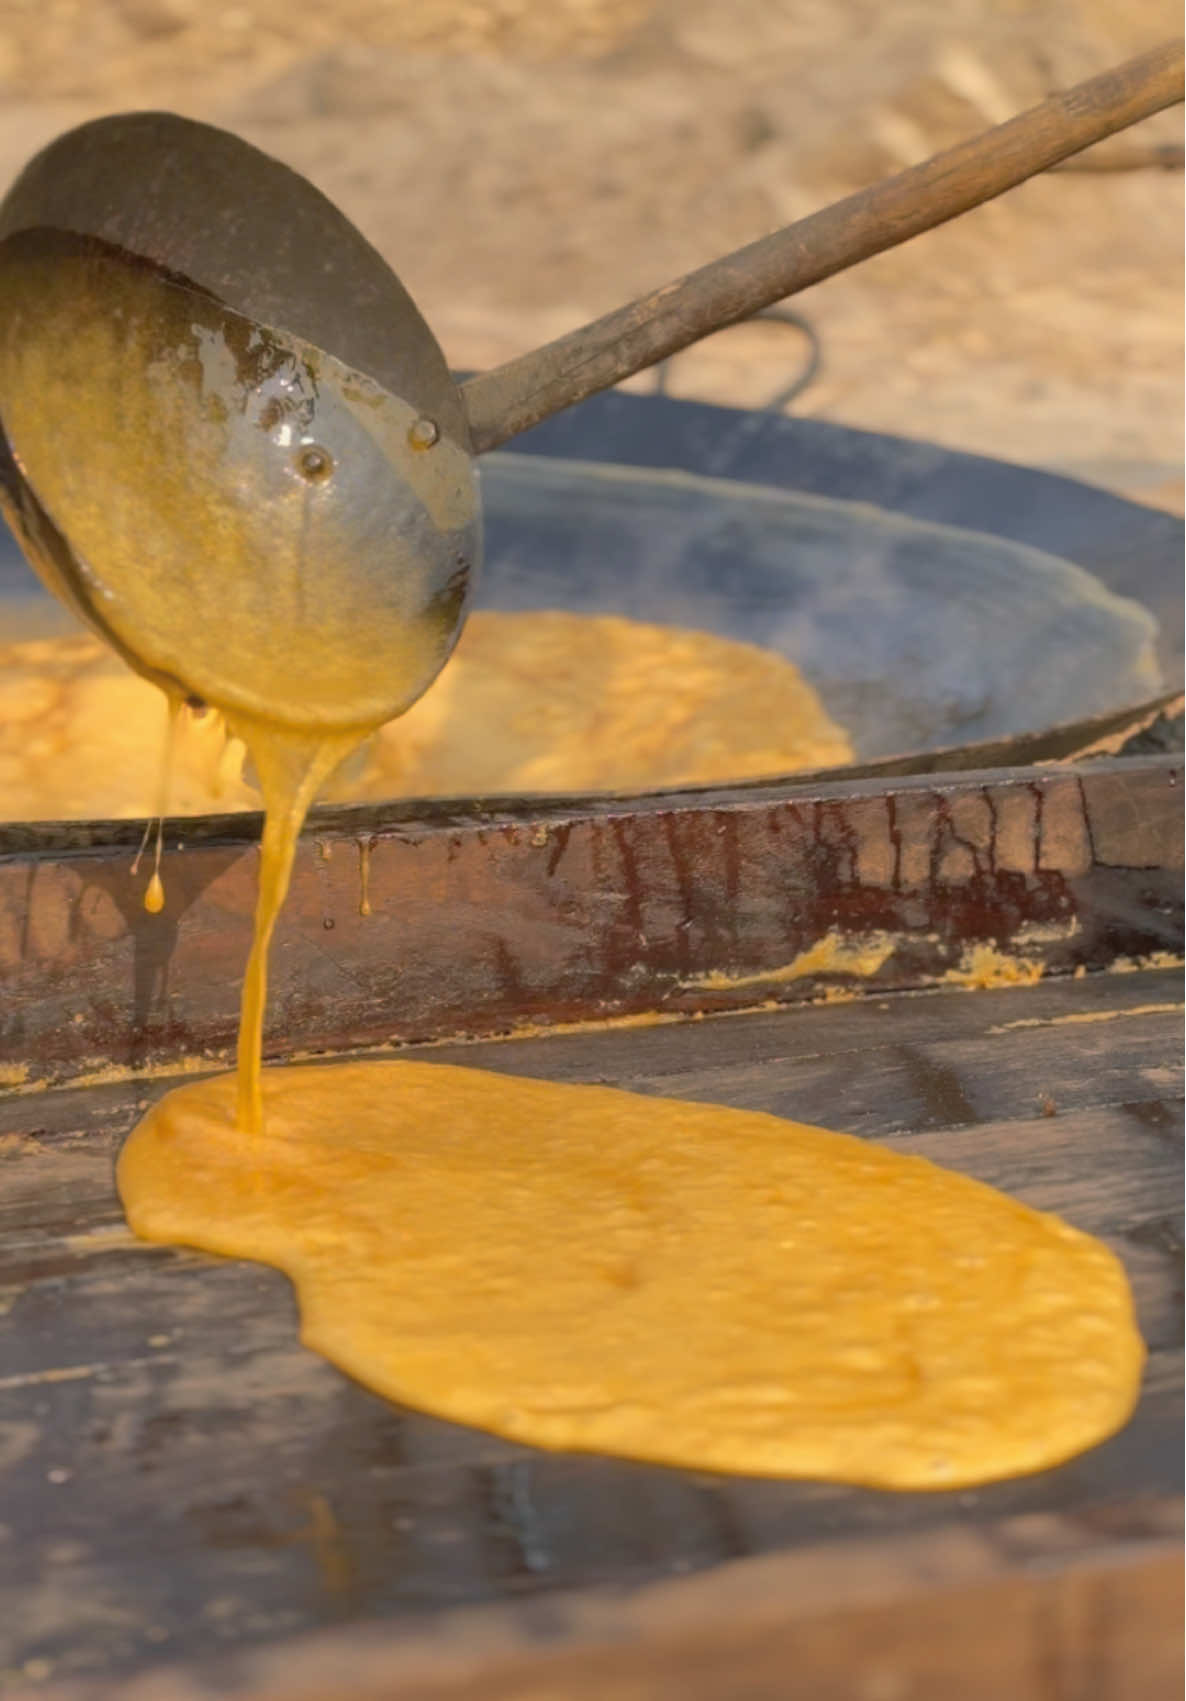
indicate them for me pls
(575, 910)
(183, 1484)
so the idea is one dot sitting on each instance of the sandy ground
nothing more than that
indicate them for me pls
(527, 164)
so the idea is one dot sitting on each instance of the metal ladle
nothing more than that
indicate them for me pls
(233, 446)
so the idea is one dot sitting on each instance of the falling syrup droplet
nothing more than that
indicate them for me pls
(154, 897)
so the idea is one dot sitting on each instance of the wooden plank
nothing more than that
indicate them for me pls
(1084, 1021)
(183, 1478)
(919, 1620)
(556, 912)
(897, 1079)
(248, 1501)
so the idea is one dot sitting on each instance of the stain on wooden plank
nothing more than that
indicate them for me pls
(563, 911)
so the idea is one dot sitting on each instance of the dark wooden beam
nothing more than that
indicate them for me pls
(487, 919)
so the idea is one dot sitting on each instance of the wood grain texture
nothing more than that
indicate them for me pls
(919, 1619)
(184, 1483)
(579, 911)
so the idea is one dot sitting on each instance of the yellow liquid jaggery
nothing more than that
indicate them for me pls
(582, 1268)
(528, 702)
(578, 1267)
(292, 767)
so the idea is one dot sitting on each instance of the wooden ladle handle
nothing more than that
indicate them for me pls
(513, 397)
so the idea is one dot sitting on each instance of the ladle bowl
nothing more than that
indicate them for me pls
(233, 445)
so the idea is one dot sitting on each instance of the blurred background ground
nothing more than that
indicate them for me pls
(527, 164)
